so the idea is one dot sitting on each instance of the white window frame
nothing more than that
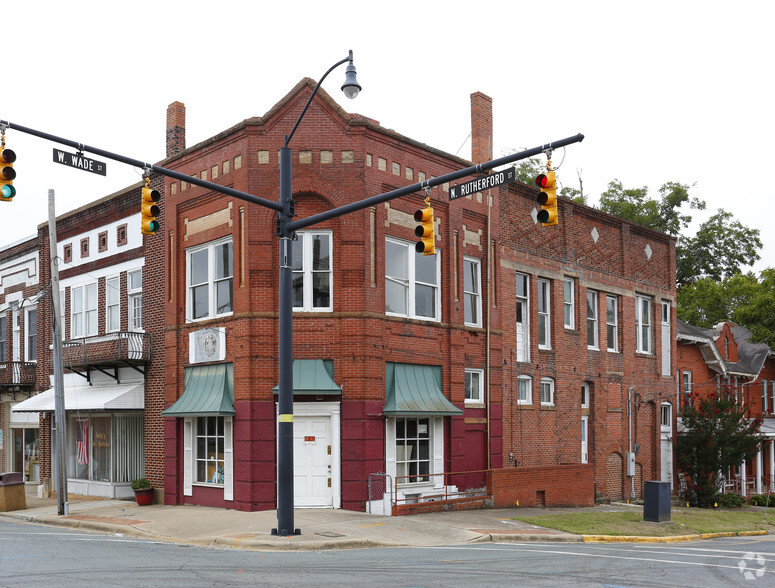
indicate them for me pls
(472, 296)
(544, 312)
(764, 396)
(523, 301)
(212, 283)
(3, 338)
(643, 325)
(772, 396)
(134, 301)
(547, 386)
(304, 247)
(585, 391)
(474, 386)
(686, 383)
(524, 383)
(585, 439)
(112, 303)
(666, 417)
(435, 451)
(612, 323)
(592, 320)
(31, 331)
(410, 283)
(569, 303)
(81, 319)
(190, 458)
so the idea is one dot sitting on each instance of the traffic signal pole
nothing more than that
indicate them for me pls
(286, 228)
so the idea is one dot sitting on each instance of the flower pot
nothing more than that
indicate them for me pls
(144, 496)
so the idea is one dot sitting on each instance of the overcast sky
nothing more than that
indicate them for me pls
(663, 91)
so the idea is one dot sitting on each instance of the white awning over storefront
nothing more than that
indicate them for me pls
(119, 397)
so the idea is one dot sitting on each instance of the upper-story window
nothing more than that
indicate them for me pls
(522, 312)
(666, 417)
(411, 281)
(592, 319)
(474, 386)
(544, 333)
(568, 306)
(585, 395)
(612, 323)
(472, 291)
(3, 338)
(209, 276)
(643, 324)
(112, 305)
(83, 317)
(31, 335)
(547, 392)
(312, 273)
(134, 282)
(524, 390)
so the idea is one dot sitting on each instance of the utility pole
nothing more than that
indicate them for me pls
(63, 507)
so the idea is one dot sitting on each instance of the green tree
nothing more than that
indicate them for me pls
(718, 436)
(743, 299)
(721, 246)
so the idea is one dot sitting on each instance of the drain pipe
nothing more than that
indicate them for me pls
(630, 454)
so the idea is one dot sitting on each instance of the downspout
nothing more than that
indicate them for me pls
(489, 294)
(629, 439)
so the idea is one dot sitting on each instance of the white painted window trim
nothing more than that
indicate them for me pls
(644, 324)
(593, 321)
(211, 280)
(529, 396)
(612, 324)
(569, 303)
(480, 386)
(544, 299)
(412, 282)
(306, 238)
(476, 293)
(550, 383)
(112, 287)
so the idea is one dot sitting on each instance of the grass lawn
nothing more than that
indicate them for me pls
(683, 521)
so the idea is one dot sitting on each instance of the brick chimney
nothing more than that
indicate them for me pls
(176, 128)
(481, 128)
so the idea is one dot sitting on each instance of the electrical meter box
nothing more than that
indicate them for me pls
(630, 464)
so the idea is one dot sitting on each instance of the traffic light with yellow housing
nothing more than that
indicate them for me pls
(547, 216)
(149, 224)
(7, 173)
(424, 231)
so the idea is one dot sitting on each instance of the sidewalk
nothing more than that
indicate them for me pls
(320, 528)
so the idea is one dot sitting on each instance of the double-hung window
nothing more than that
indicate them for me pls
(135, 299)
(568, 306)
(83, 318)
(209, 276)
(3, 338)
(544, 331)
(643, 324)
(612, 323)
(592, 319)
(411, 281)
(312, 271)
(474, 382)
(112, 305)
(547, 392)
(524, 390)
(31, 335)
(472, 291)
(764, 396)
(522, 312)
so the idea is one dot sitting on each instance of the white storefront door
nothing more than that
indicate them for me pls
(316, 464)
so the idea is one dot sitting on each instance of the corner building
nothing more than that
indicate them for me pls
(515, 348)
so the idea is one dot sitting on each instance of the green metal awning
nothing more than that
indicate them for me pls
(415, 390)
(208, 391)
(313, 376)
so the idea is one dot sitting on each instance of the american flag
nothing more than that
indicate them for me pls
(82, 441)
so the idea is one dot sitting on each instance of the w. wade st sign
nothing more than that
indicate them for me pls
(78, 161)
(479, 184)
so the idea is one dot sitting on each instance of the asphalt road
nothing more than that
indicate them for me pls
(32, 555)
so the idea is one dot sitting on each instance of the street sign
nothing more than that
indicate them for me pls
(490, 181)
(78, 161)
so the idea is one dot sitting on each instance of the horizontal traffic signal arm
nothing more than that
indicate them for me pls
(315, 218)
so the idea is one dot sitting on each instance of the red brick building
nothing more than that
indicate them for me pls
(724, 360)
(544, 353)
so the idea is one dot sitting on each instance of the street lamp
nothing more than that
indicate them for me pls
(285, 216)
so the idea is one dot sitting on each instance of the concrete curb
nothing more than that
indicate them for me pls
(669, 539)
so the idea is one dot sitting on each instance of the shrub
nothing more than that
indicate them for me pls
(763, 500)
(730, 500)
(140, 483)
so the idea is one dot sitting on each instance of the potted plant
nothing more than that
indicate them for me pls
(143, 491)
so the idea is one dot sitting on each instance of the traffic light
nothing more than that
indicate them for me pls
(424, 231)
(149, 224)
(7, 174)
(547, 216)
